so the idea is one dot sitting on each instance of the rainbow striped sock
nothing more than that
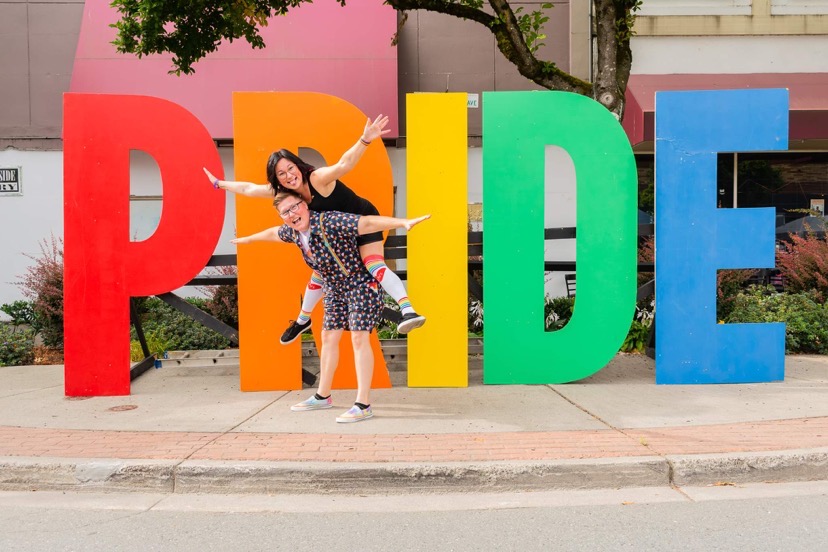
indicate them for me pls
(316, 280)
(405, 305)
(389, 281)
(374, 264)
(303, 317)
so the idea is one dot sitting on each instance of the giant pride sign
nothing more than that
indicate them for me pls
(694, 239)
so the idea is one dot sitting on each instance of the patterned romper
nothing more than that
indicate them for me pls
(352, 298)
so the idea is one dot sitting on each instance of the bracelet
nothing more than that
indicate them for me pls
(361, 139)
(215, 183)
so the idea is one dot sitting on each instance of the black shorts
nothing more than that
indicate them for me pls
(373, 237)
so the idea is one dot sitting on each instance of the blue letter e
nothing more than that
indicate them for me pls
(694, 238)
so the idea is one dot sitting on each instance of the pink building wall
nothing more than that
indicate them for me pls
(318, 47)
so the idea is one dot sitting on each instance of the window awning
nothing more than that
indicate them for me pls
(808, 99)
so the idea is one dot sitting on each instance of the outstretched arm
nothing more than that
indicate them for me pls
(372, 223)
(242, 188)
(325, 177)
(271, 234)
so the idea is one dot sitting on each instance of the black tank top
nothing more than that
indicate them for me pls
(342, 198)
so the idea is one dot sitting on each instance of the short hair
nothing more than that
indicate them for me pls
(283, 195)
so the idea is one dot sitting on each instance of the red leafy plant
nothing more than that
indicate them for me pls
(42, 283)
(803, 263)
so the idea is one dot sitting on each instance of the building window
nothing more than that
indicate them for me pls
(695, 7)
(793, 182)
(799, 7)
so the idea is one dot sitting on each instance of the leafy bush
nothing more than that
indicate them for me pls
(557, 312)
(636, 340)
(806, 319)
(803, 263)
(387, 329)
(475, 317)
(176, 329)
(43, 285)
(729, 283)
(16, 346)
(157, 343)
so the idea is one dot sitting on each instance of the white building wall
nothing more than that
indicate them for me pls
(28, 219)
(657, 55)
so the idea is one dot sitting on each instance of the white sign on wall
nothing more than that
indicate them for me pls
(473, 101)
(10, 184)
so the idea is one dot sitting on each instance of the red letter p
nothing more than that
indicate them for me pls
(102, 268)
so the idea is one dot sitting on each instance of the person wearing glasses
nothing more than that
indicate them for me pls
(329, 244)
(322, 190)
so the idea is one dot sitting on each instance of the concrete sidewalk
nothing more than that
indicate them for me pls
(190, 429)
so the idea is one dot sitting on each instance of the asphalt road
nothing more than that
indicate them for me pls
(756, 517)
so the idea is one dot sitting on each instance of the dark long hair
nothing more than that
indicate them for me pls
(275, 157)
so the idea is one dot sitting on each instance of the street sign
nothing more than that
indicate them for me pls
(10, 184)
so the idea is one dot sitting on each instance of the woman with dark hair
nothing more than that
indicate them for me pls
(322, 190)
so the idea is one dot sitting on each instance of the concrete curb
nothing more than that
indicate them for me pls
(384, 478)
(203, 476)
(31, 473)
(750, 467)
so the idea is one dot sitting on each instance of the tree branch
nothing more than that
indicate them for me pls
(509, 40)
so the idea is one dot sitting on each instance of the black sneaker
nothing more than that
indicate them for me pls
(410, 321)
(294, 331)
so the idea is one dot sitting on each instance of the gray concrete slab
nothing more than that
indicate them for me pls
(398, 410)
(131, 501)
(743, 491)
(810, 368)
(17, 380)
(205, 399)
(624, 394)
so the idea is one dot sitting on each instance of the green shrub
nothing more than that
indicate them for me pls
(387, 329)
(176, 329)
(157, 343)
(639, 332)
(21, 313)
(806, 319)
(636, 340)
(16, 346)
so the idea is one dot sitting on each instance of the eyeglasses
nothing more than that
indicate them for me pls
(281, 175)
(290, 210)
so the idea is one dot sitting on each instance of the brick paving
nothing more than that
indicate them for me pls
(494, 446)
